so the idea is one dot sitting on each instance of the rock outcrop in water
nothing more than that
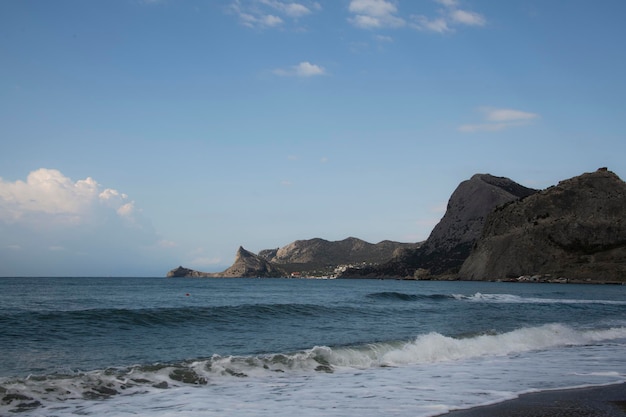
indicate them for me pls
(181, 272)
(246, 264)
(575, 230)
(450, 242)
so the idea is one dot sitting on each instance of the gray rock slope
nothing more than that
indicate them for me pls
(575, 230)
(451, 240)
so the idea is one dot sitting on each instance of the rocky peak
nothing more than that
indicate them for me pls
(576, 229)
(246, 264)
(468, 207)
(451, 240)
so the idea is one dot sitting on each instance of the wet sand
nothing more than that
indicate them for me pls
(607, 401)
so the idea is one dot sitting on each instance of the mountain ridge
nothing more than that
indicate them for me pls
(310, 257)
(493, 229)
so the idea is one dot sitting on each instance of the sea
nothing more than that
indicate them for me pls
(298, 347)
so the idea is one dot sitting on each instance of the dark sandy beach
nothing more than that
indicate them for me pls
(606, 401)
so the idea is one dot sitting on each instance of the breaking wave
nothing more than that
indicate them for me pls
(35, 391)
(515, 299)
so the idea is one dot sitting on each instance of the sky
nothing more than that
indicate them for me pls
(139, 135)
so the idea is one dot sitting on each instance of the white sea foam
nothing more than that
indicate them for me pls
(426, 376)
(417, 390)
(434, 347)
(509, 298)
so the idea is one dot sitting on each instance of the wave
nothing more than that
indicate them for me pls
(171, 316)
(398, 296)
(515, 299)
(425, 349)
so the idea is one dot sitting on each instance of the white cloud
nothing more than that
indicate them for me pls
(448, 17)
(52, 224)
(46, 191)
(499, 119)
(290, 9)
(507, 115)
(439, 25)
(379, 8)
(50, 195)
(306, 69)
(467, 18)
(260, 21)
(303, 69)
(262, 14)
(126, 210)
(448, 3)
(372, 14)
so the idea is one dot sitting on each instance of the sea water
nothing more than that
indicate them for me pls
(284, 347)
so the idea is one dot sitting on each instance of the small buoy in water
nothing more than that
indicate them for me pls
(187, 295)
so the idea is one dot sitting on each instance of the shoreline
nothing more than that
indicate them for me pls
(598, 401)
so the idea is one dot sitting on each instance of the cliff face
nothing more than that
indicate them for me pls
(451, 240)
(247, 264)
(576, 230)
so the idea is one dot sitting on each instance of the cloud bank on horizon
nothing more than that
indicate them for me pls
(49, 218)
(142, 135)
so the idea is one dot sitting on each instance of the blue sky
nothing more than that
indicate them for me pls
(140, 135)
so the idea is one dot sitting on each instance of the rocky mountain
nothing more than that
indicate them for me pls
(575, 230)
(313, 254)
(246, 264)
(450, 242)
(493, 228)
(307, 257)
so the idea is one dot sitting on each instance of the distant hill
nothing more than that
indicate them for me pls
(451, 241)
(314, 254)
(574, 230)
(307, 257)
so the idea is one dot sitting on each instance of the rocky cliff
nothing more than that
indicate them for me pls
(575, 230)
(451, 240)
(246, 264)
